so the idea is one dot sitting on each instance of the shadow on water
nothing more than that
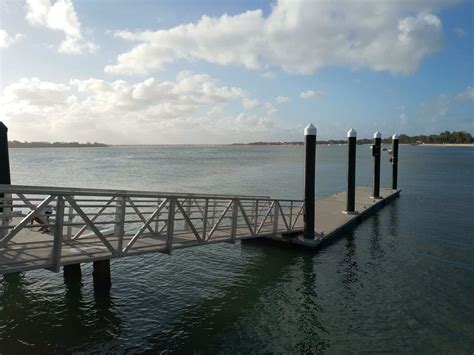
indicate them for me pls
(215, 323)
(50, 321)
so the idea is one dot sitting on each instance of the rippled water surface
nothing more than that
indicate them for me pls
(402, 281)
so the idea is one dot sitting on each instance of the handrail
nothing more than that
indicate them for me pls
(28, 189)
(45, 190)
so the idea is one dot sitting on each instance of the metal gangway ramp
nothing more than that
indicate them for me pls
(95, 224)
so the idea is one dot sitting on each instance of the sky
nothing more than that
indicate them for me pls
(205, 72)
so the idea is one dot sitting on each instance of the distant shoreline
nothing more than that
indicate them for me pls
(23, 146)
(17, 144)
(471, 145)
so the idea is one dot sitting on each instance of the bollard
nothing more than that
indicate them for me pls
(376, 148)
(394, 161)
(351, 169)
(309, 180)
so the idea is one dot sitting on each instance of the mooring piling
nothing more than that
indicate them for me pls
(309, 180)
(4, 172)
(351, 169)
(101, 275)
(376, 150)
(394, 160)
(72, 273)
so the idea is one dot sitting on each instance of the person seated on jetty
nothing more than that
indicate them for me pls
(43, 218)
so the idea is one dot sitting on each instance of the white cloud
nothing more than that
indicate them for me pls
(311, 94)
(269, 108)
(192, 109)
(297, 36)
(436, 108)
(60, 16)
(459, 31)
(282, 99)
(7, 40)
(467, 94)
(250, 103)
(268, 75)
(403, 119)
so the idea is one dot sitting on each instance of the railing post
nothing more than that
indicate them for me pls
(309, 180)
(188, 212)
(70, 218)
(394, 160)
(255, 221)
(119, 228)
(291, 216)
(204, 225)
(376, 150)
(214, 208)
(235, 212)
(170, 225)
(4, 175)
(351, 170)
(275, 218)
(157, 223)
(58, 234)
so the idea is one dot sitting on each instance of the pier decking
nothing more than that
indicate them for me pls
(90, 225)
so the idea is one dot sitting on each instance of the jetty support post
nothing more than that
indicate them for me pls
(394, 161)
(309, 180)
(72, 273)
(351, 171)
(4, 175)
(376, 151)
(101, 276)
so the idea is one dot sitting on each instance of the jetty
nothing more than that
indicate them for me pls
(44, 227)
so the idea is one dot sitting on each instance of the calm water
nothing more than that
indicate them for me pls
(402, 281)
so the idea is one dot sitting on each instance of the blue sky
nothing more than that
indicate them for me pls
(220, 72)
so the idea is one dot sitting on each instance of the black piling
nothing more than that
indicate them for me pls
(309, 180)
(351, 171)
(101, 275)
(72, 273)
(394, 160)
(376, 150)
(4, 159)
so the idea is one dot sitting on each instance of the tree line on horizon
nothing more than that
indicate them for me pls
(446, 137)
(18, 144)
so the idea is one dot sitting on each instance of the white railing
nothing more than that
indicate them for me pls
(133, 222)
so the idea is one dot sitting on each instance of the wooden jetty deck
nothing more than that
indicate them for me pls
(91, 225)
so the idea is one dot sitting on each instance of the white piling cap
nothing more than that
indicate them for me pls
(351, 133)
(395, 136)
(310, 130)
(377, 135)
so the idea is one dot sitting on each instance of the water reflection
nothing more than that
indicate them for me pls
(375, 248)
(310, 328)
(348, 266)
(394, 218)
(217, 323)
(54, 317)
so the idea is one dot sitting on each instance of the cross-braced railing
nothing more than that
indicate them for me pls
(108, 223)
